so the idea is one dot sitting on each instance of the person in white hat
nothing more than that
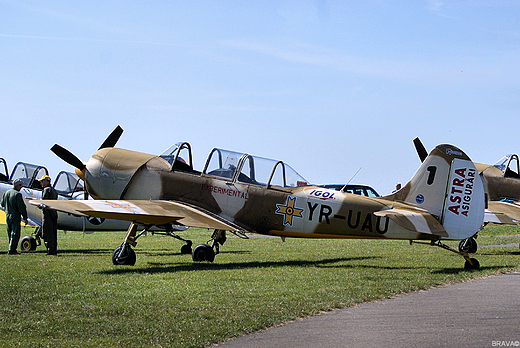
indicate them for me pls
(12, 202)
(49, 217)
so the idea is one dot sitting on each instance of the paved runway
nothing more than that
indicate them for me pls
(479, 313)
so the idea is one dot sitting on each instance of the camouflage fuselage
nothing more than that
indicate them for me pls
(306, 211)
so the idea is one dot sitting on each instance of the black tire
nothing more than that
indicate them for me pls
(28, 243)
(468, 246)
(128, 258)
(186, 249)
(203, 252)
(468, 265)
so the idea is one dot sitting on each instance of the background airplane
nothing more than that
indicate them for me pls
(241, 193)
(502, 189)
(69, 187)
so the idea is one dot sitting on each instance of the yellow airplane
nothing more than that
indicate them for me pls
(502, 191)
(241, 193)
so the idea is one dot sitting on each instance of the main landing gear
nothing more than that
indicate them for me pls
(125, 255)
(470, 263)
(207, 252)
(29, 243)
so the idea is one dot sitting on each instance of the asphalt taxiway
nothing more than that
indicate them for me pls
(479, 313)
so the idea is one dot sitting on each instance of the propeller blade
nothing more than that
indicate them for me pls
(112, 139)
(67, 156)
(421, 151)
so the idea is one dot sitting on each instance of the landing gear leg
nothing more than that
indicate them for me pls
(207, 252)
(470, 263)
(124, 254)
(186, 248)
(468, 245)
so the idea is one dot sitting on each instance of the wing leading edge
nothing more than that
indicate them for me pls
(144, 212)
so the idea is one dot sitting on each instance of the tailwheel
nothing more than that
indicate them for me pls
(28, 243)
(472, 264)
(468, 245)
(203, 252)
(124, 255)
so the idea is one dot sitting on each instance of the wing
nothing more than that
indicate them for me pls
(414, 220)
(506, 212)
(144, 212)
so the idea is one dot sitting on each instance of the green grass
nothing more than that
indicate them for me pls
(79, 299)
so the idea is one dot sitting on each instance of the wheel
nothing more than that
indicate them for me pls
(468, 265)
(128, 257)
(186, 249)
(28, 243)
(203, 252)
(468, 245)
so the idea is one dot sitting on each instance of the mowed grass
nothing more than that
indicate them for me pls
(79, 299)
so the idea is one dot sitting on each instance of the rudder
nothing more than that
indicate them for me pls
(447, 186)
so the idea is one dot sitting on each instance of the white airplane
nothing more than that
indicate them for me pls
(69, 187)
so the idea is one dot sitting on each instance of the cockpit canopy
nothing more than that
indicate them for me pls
(179, 156)
(236, 166)
(249, 169)
(29, 174)
(66, 183)
(509, 165)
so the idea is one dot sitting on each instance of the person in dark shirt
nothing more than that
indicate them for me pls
(12, 202)
(49, 217)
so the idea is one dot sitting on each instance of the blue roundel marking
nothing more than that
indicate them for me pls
(419, 199)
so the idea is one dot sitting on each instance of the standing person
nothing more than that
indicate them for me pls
(49, 217)
(12, 202)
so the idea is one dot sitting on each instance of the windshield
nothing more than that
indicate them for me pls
(509, 166)
(502, 163)
(251, 169)
(67, 183)
(179, 156)
(4, 175)
(29, 174)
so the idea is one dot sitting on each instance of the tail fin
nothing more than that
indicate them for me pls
(447, 186)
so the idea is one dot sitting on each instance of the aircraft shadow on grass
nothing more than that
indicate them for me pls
(325, 263)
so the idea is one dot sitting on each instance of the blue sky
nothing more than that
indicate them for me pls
(329, 87)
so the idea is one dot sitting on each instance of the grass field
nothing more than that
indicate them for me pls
(79, 299)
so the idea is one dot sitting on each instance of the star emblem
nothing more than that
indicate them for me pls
(289, 211)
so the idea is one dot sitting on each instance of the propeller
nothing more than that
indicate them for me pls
(421, 151)
(112, 139)
(71, 159)
(67, 156)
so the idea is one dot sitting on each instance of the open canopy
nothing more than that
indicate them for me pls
(251, 169)
(509, 166)
(236, 166)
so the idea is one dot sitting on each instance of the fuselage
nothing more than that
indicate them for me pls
(301, 211)
(496, 185)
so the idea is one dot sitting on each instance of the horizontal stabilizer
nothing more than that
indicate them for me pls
(509, 208)
(497, 218)
(143, 212)
(415, 221)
